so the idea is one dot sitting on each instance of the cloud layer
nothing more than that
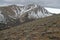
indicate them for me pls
(10, 0)
(46, 3)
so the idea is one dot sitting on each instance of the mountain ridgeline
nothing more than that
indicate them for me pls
(16, 13)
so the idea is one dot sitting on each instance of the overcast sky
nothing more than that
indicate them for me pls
(47, 3)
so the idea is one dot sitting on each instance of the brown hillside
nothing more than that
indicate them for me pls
(43, 29)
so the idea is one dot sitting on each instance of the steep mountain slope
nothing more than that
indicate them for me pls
(47, 28)
(31, 11)
(10, 12)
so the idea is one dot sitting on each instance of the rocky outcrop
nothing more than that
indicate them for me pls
(33, 11)
(23, 13)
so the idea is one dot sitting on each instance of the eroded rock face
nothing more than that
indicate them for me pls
(23, 13)
(11, 12)
(33, 12)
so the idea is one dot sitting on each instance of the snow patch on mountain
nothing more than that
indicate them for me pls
(2, 19)
(53, 10)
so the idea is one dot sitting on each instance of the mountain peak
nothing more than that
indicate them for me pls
(31, 11)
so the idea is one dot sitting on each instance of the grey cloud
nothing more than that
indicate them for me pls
(46, 3)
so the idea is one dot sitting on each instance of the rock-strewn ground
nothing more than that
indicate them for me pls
(42, 29)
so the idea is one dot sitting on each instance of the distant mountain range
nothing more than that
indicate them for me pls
(22, 13)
